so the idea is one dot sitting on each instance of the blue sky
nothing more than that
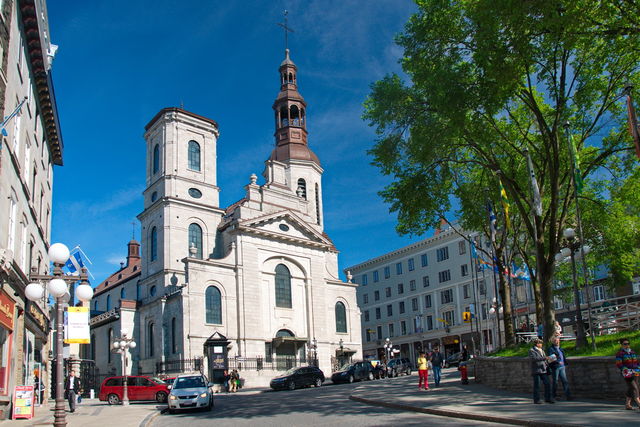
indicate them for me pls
(120, 62)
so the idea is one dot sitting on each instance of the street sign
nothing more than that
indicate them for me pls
(466, 316)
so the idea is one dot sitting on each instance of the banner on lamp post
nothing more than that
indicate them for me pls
(76, 325)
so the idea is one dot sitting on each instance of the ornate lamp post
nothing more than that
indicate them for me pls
(496, 310)
(58, 289)
(121, 345)
(387, 349)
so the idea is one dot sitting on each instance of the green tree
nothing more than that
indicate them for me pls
(487, 80)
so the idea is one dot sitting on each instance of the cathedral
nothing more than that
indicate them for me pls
(252, 286)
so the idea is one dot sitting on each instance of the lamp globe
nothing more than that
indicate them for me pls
(84, 292)
(57, 287)
(58, 253)
(132, 344)
(34, 291)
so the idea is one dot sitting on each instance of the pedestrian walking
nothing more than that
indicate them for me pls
(540, 330)
(540, 372)
(72, 387)
(226, 377)
(423, 372)
(465, 353)
(437, 362)
(627, 362)
(558, 368)
(233, 381)
(557, 329)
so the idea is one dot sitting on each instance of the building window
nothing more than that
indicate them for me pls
(365, 280)
(403, 328)
(414, 304)
(194, 156)
(376, 295)
(465, 291)
(598, 293)
(482, 287)
(387, 291)
(213, 305)
(152, 290)
(390, 310)
(153, 244)
(401, 307)
(429, 323)
(109, 343)
(635, 286)
(174, 347)
(484, 311)
(427, 301)
(398, 268)
(366, 315)
(379, 330)
(464, 270)
(123, 293)
(317, 204)
(462, 247)
(365, 299)
(424, 259)
(301, 191)
(444, 276)
(150, 336)
(376, 276)
(449, 317)
(378, 315)
(156, 159)
(195, 240)
(108, 302)
(368, 335)
(410, 264)
(391, 331)
(425, 281)
(400, 289)
(95, 305)
(387, 272)
(13, 207)
(442, 254)
(283, 286)
(412, 285)
(341, 318)
(446, 296)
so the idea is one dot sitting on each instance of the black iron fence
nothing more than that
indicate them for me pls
(274, 363)
(179, 365)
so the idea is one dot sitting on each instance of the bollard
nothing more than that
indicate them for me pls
(92, 394)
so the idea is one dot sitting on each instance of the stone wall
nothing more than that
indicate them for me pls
(589, 377)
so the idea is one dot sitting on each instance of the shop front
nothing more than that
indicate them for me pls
(451, 344)
(36, 349)
(7, 322)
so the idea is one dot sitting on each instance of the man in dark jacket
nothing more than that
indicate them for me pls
(539, 371)
(437, 361)
(72, 387)
(557, 365)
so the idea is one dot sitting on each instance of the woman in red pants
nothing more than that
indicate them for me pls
(423, 372)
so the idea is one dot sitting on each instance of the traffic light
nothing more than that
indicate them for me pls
(466, 316)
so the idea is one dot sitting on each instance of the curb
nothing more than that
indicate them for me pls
(453, 414)
(148, 420)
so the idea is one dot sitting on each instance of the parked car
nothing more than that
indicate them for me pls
(139, 387)
(190, 391)
(354, 372)
(453, 360)
(400, 365)
(379, 369)
(298, 377)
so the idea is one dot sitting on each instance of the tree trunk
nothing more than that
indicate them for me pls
(546, 290)
(505, 295)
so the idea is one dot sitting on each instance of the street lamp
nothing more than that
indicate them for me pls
(121, 345)
(574, 247)
(496, 310)
(387, 349)
(314, 351)
(58, 289)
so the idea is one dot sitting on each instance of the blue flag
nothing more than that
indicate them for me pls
(74, 263)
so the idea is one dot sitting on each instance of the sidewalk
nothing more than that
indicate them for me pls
(477, 402)
(92, 413)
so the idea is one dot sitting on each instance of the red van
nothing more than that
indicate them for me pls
(138, 388)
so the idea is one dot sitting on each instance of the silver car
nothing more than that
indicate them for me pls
(190, 392)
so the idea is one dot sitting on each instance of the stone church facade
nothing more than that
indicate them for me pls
(260, 276)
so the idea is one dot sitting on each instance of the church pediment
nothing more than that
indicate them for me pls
(287, 226)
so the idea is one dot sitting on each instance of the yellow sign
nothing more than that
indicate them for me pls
(76, 325)
(466, 316)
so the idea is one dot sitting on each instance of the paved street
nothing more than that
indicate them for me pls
(326, 406)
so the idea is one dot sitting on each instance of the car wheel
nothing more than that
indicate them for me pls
(318, 382)
(113, 399)
(161, 397)
(292, 385)
(370, 377)
(351, 379)
(171, 411)
(210, 406)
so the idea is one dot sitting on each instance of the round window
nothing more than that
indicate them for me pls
(284, 227)
(154, 196)
(195, 193)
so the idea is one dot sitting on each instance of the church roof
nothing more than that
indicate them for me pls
(126, 273)
(179, 110)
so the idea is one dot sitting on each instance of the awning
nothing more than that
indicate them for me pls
(277, 341)
(346, 351)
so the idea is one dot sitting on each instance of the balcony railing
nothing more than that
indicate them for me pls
(274, 363)
(179, 366)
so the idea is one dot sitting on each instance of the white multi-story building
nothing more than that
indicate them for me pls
(30, 145)
(254, 285)
(416, 297)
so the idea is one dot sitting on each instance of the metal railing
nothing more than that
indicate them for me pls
(274, 363)
(615, 315)
(179, 365)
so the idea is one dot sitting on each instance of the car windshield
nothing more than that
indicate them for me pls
(158, 380)
(346, 367)
(189, 382)
(291, 371)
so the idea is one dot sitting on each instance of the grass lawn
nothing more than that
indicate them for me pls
(608, 345)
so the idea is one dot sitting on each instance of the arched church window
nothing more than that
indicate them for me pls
(150, 335)
(174, 348)
(195, 240)
(156, 159)
(301, 191)
(317, 203)
(284, 116)
(302, 117)
(341, 318)
(123, 294)
(283, 286)
(109, 343)
(108, 302)
(153, 244)
(290, 78)
(284, 333)
(213, 306)
(295, 115)
(95, 305)
(194, 156)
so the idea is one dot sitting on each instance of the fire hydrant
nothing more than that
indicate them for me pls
(463, 372)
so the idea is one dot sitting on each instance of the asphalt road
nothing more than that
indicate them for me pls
(328, 405)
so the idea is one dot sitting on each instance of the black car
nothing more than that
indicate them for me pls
(379, 370)
(298, 377)
(453, 360)
(354, 372)
(398, 366)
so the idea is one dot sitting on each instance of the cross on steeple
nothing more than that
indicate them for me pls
(133, 234)
(286, 29)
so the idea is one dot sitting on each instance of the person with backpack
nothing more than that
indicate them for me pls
(437, 362)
